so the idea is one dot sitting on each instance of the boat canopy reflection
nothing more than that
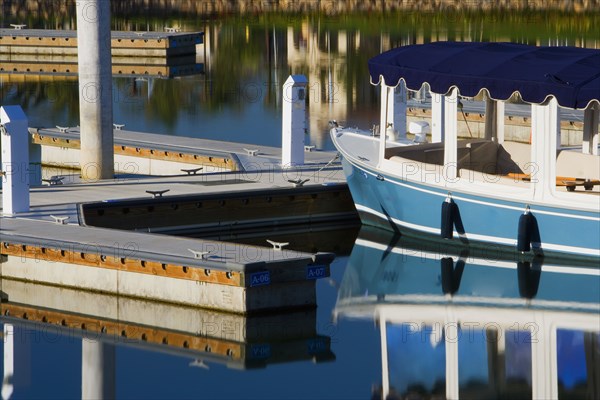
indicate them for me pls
(461, 326)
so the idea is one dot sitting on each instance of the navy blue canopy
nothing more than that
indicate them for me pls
(570, 74)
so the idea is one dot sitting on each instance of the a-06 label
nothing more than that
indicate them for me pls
(316, 272)
(260, 278)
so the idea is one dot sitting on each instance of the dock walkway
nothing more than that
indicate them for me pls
(102, 247)
(169, 154)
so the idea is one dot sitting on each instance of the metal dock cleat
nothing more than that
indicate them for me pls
(157, 193)
(277, 245)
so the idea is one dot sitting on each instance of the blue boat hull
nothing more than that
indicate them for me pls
(409, 207)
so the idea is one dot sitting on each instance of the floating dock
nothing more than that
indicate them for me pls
(56, 244)
(53, 53)
(153, 154)
(45, 42)
(193, 272)
(104, 236)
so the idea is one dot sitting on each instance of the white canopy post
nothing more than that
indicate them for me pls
(494, 120)
(591, 119)
(490, 118)
(499, 122)
(396, 110)
(386, 91)
(543, 148)
(558, 129)
(451, 135)
(438, 115)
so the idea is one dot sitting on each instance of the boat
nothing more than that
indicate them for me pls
(456, 324)
(532, 197)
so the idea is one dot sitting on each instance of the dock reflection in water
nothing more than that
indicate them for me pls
(36, 316)
(463, 326)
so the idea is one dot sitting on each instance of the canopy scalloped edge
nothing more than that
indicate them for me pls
(482, 90)
(569, 74)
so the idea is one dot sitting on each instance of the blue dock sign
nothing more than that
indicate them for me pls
(316, 272)
(260, 278)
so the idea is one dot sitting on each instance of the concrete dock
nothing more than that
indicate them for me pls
(101, 236)
(44, 42)
(48, 245)
(152, 154)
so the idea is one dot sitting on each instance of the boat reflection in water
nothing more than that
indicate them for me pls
(463, 326)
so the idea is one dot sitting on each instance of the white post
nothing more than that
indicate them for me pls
(294, 121)
(494, 120)
(438, 115)
(15, 160)
(558, 128)
(97, 370)
(490, 118)
(95, 89)
(383, 120)
(499, 122)
(451, 135)
(396, 110)
(9, 361)
(543, 148)
(591, 119)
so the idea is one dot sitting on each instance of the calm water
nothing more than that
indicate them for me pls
(395, 318)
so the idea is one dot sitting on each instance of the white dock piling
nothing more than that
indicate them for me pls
(294, 121)
(95, 89)
(15, 160)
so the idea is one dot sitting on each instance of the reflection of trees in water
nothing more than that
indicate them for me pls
(326, 7)
(61, 97)
(238, 75)
(243, 69)
(169, 99)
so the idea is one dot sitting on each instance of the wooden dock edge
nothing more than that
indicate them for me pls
(221, 160)
(204, 272)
